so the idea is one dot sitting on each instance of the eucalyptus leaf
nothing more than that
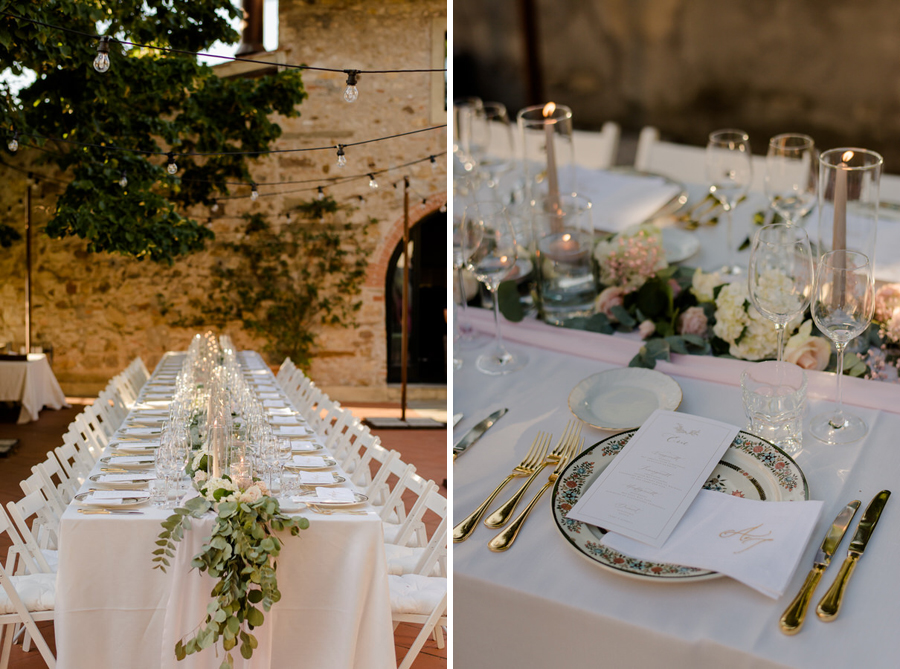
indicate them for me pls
(509, 302)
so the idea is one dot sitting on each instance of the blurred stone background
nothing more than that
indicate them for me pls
(688, 67)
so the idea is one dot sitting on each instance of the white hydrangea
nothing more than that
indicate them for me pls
(749, 334)
(776, 293)
(703, 284)
(195, 463)
(216, 483)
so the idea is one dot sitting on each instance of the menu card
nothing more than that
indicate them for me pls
(308, 461)
(647, 488)
(335, 495)
(273, 403)
(293, 430)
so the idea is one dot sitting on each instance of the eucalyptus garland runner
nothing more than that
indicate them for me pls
(241, 553)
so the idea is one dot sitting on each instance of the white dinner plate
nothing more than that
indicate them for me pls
(124, 480)
(679, 244)
(129, 461)
(751, 468)
(329, 462)
(310, 495)
(338, 479)
(621, 399)
(136, 498)
(308, 446)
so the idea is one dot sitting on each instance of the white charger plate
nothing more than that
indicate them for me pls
(136, 499)
(751, 468)
(621, 399)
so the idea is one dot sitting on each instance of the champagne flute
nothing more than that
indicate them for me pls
(842, 309)
(492, 261)
(465, 240)
(780, 276)
(729, 171)
(792, 175)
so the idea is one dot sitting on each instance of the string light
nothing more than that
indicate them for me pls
(254, 194)
(372, 183)
(434, 164)
(444, 208)
(171, 167)
(215, 206)
(362, 200)
(341, 158)
(123, 182)
(321, 195)
(351, 92)
(101, 62)
(13, 145)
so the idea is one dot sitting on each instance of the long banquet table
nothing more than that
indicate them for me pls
(543, 604)
(114, 610)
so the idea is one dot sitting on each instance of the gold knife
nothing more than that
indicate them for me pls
(830, 605)
(795, 614)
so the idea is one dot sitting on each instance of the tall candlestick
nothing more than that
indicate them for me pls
(552, 177)
(839, 226)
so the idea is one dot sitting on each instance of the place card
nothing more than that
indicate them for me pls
(308, 461)
(649, 485)
(315, 478)
(304, 445)
(335, 495)
(757, 543)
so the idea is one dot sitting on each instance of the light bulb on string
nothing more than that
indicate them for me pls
(172, 166)
(434, 164)
(254, 194)
(123, 182)
(341, 158)
(425, 200)
(351, 92)
(362, 200)
(13, 145)
(372, 183)
(444, 208)
(101, 62)
(215, 206)
(321, 194)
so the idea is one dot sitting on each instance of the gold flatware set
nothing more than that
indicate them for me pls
(539, 457)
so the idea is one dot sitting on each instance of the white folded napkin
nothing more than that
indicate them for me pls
(126, 478)
(756, 543)
(282, 411)
(308, 461)
(293, 430)
(111, 496)
(141, 431)
(141, 444)
(620, 200)
(303, 445)
(283, 420)
(270, 396)
(335, 495)
(315, 478)
(132, 460)
(273, 403)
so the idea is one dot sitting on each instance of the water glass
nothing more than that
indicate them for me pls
(774, 395)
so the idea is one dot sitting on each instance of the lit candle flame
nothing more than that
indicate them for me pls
(566, 237)
(549, 108)
(504, 259)
(847, 157)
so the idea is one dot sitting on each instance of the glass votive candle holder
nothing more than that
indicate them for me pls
(774, 397)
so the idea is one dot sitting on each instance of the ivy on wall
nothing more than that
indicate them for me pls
(283, 282)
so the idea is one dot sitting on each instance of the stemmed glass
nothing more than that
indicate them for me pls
(842, 309)
(780, 276)
(491, 129)
(465, 240)
(792, 175)
(169, 464)
(493, 260)
(285, 453)
(729, 171)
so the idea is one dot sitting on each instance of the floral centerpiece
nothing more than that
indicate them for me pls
(241, 553)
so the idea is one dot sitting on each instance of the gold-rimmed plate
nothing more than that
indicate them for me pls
(326, 463)
(622, 399)
(337, 480)
(311, 497)
(116, 499)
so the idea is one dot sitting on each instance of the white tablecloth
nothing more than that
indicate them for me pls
(114, 610)
(543, 604)
(32, 383)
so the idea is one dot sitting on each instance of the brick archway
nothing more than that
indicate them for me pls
(377, 272)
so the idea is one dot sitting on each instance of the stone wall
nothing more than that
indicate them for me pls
(99, 311)
(822, 67)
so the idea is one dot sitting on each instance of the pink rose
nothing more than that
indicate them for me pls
(887, 299)
(646, 328)
(693, 321)
(812, 353)
(609, 298)
(676, 288)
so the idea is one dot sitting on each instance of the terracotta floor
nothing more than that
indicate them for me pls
(426, 449)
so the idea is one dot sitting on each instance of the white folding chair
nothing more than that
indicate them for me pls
(111, 403)
(411, 559)
(39, 528)
(64, 486)
(35, 483)
(26, 598)
(421, 597)
(286, 370)
(597, 150)
(351, 446)
(87, 436)
(411, 489)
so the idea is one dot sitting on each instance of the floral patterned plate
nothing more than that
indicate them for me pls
(751, 468)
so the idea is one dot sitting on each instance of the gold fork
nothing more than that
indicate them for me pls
(506, 538)
(500, 516)
(531, 460)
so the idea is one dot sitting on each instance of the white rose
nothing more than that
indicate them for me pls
(703, 284)
(807, 351)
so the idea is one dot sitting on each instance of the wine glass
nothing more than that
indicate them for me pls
(285, 453)
(729, 171)
(780, 276)
(465, 240)
(491, 129)
(493, 260)
(842, 309)
(466, 148)
(792, 175)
